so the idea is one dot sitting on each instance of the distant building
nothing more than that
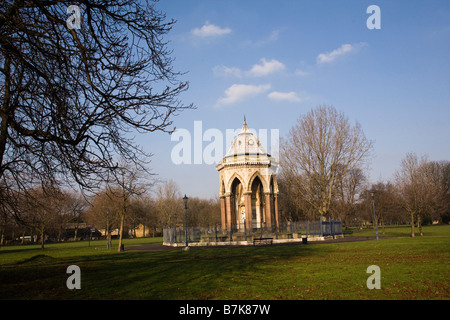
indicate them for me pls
(248, 185)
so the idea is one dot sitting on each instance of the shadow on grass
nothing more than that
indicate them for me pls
(201, 273)
(21, 249)
(296, 271)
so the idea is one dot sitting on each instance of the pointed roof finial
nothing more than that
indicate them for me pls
(244, 126)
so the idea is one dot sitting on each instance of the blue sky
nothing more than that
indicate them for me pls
(273, 61)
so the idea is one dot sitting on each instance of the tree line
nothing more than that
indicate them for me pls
(324, 161)
(54, 214)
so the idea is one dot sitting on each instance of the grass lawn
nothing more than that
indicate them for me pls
(411, 268)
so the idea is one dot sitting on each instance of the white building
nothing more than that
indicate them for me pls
(248, 184)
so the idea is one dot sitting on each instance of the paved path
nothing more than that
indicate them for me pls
(151, 247)
(347, 239)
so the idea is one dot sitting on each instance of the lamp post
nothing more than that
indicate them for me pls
(372, 193)
(185, 199)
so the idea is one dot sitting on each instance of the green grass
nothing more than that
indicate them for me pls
(400, 231)
(411, 268)
(14, 254)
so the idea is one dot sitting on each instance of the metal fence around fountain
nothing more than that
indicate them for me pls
(293, 229)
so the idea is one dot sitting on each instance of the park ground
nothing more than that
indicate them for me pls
(411, 269)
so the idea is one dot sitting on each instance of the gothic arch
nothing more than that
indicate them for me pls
(231, 180)
(263, 181)
(258, 202)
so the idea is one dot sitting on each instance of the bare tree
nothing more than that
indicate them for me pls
(348, 193)
(75, 207)
(147, 215)
(203, 212)
(40, 209)
(102, 212)
(319, 151)
(415, 187)
(291, 207)
(70, 98)
(387, 204)
(438, 173)
(130, 185)
(169, 203)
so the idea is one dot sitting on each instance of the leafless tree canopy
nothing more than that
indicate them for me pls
(320, 150)
(71, 99)
(424, 188)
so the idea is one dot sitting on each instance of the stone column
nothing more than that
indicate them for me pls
(248, 210)
(223, 212)
(276, 211)
(228, 211)
(268, 206)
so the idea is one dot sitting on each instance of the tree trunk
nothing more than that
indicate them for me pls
(42, 238)
(419, 225)
(412, 225)
(122, 219)
(108, 237)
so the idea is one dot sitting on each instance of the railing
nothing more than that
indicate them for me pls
(172, 235)
(178, 235)
(318, 228)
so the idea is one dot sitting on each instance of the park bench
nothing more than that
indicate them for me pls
(262, 240)
(347, 232)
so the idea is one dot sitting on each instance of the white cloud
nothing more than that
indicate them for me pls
(210, 30)
(238, 92)
(342, 50)
(258, 70)
(226, 71)
(301, 73)
(266, 67)
(273, 36)
(284, 96)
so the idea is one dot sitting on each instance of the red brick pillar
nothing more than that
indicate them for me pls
(268, 206)
(228, 211)
(248, 210)
(276, 211)
(223, 212)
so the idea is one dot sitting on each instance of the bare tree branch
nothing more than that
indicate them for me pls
(319, 151)
(71, 99)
